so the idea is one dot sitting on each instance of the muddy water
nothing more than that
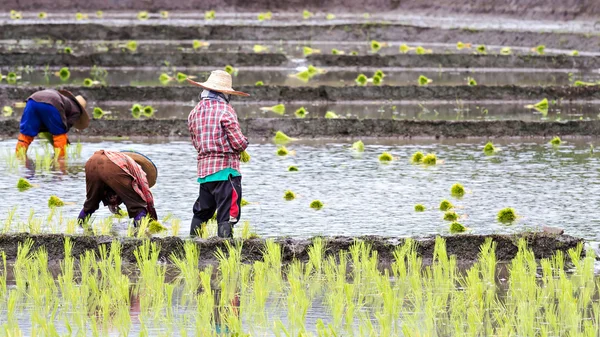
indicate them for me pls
(546, 185)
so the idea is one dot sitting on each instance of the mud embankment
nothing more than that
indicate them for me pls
(561, 9)
(465, 247)
(10, 94)
(265, 128)
(323, 31)
(457, 61)
(149, 59)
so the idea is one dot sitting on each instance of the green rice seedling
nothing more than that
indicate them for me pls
(164, 14)
(165, 79)
(337, 52)
(293, 168)
(306, 14)
(15, 15)
(64, 73)
(430, 159)
(260, 48)
(301, 112)
(404, 48)
(489, 148)
(244, 157)
(377, 80)
(88, 82)
(230, 70)
(583, 84)
(259, 83)
(244, 202)
(197, 44)
(289, 195)
(181, 77)
(309, 51)
(155, 227)
(316, 204)
(379, 73)
(556, 141)
(507, 215)
(424, 81)
(330, 16)
(304, 75)
(361, 80)
(446, 205)
(422, 51)
(9, 219)
(68, 50)
(386, 157)
(132, 46)
(376, 46)
(471, 82)
(55, 201)
(265, 16)
(358, 146)
(457, 190)
(175, 227)
(278, 109)
(81, 16)
(99, 14)
(450, 216)
(136, 110)
(7, 111)
(312, 70)
(461, 45)
(539, 49)
(331, 115)
(282, 139)
(505, 51)
(575, 53)
(12, 78)
(541, 106)
(419, 208)
(23, 184)
(417, 157)
(210, 15)
(282, 151)
(482, 49)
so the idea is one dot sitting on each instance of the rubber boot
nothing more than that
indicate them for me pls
(60, 144)
(225, 230)
(23, 144)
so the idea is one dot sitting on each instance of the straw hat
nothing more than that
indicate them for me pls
(220, 81)
(83, 121)
(146, 164)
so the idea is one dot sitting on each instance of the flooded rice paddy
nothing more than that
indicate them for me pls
(547, 185)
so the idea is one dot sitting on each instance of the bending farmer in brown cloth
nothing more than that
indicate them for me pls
(120, 177)
(217, 137)
(54, 112)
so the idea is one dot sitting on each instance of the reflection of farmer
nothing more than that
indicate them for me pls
(54, 112)
(217, 137)
(120, 177)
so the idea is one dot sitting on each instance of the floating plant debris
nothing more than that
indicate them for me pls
(281, 138)
(457, 190)
(331, 114)
(148, 111)
(541, 106)
(209, 15)
(136, 111)
(556, 141)
(507, 215)
(278, 109)
(330, 16)
(423, 81)
(264, 16)
(450, 216)
(131, 46)
(419, 208)
(244, 157)
(289, 195)
(301, 112)
(540, 49)
(306, 14)
(155, 227)
(197, 44)
(358, 146)
(7, 111)
(417, 157)
(312, 70)
(316, 204)
(244, 202)
(293, 168)
(430, 159)
(385, 157)
(23, 184)
(164, 78)
(259, 83)
(505, 51)
(481, 49)
(456, 227)
(230, 70)
(489, 148)
(446, 205)
(282, 151)
(471, 82)
(260, 48)
(55, 201)
(143, 15)
(361, 80)
(309, 51)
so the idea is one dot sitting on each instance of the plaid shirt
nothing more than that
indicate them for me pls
(140, 182)
(217, 136)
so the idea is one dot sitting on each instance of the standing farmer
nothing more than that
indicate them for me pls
(120, 177)
(217, 137)
(53, 111)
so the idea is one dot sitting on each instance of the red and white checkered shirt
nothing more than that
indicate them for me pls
(217, 136)
(140, 182)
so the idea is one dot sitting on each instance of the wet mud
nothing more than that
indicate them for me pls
(265, 128)
(10, 94)
(322, 31)
(464, 247)
(561, 9)
(457, 61)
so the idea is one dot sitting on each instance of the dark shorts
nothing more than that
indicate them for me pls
(223, 197)
(40, 117)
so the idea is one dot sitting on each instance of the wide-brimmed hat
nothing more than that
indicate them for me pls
(220, 81)
(146, 164)
(83, 121)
